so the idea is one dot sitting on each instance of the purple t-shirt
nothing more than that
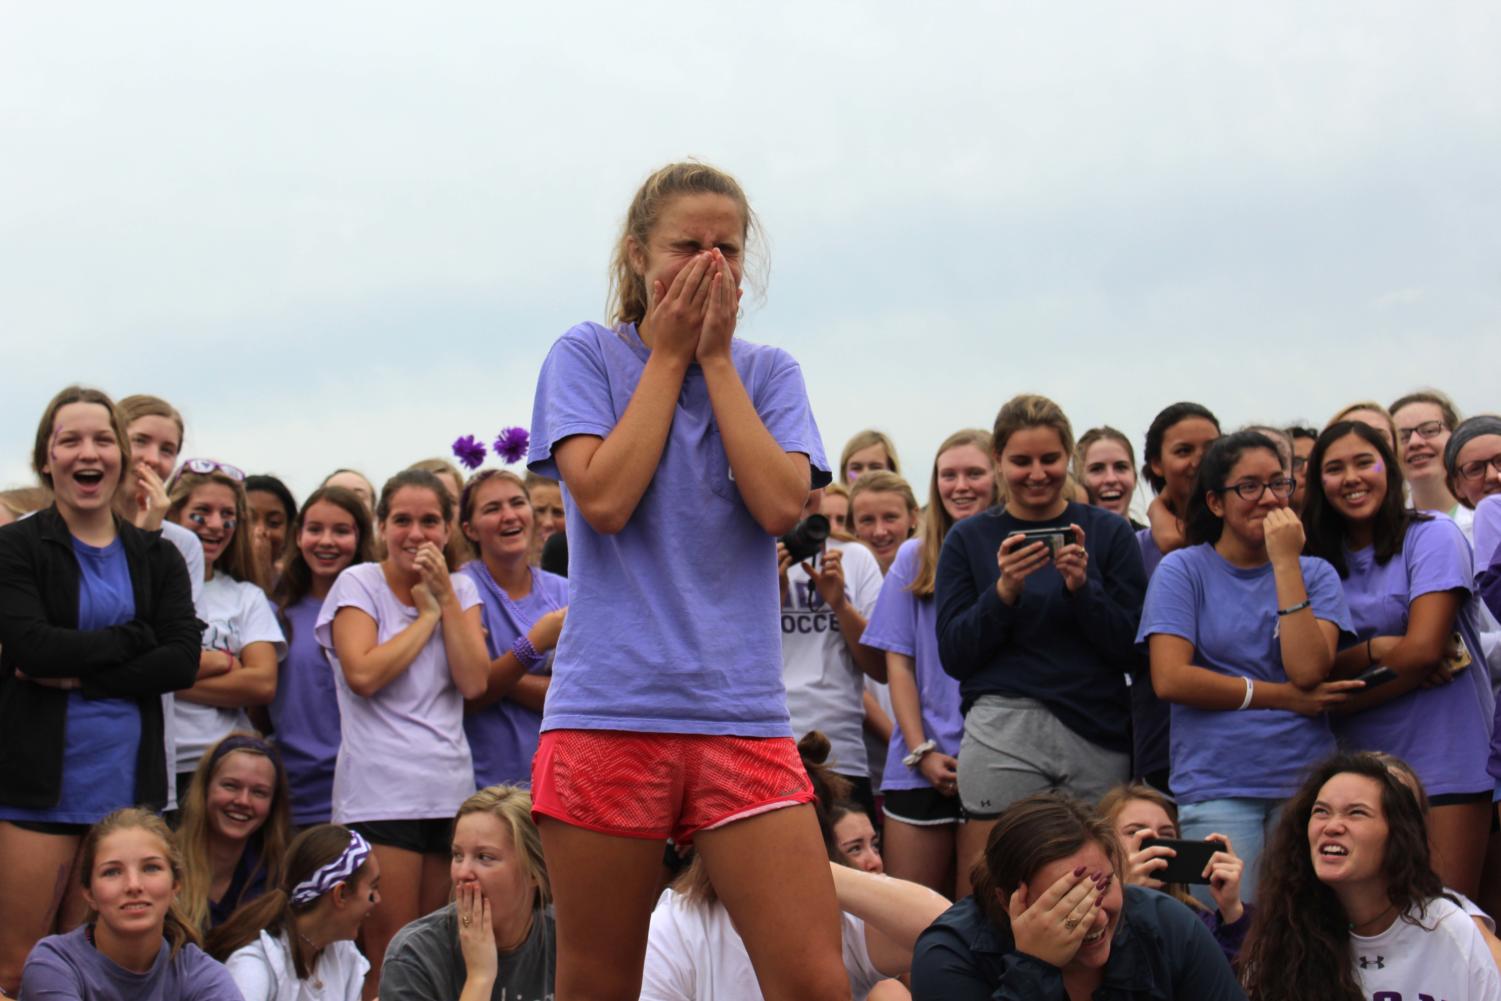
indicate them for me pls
(305, 715)
(503, 737)
(1443, 732)
(906, 624)
(70, 967)
(403, 755)
(1150, 716)
(103, 735)
(672, 622)
(1229, 614)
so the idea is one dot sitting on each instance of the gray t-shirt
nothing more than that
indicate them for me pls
(424, 962)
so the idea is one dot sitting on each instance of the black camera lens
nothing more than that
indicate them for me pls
(807, 538)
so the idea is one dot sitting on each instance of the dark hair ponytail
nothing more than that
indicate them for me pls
(1157, 432)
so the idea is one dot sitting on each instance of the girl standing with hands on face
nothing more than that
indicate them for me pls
(661, 722)
(1039, 633)
(1408, 582)
(96, 621)
(331, 533)
(408, 647)
(926, 838)
(1241, 620)
(523, 614)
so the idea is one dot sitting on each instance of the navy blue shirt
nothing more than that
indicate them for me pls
(1161, 952)
(1070, 652)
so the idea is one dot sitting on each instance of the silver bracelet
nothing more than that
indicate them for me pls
(1250, 690)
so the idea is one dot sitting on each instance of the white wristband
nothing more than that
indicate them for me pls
(1250, 690)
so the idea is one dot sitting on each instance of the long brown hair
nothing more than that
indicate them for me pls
(937, 521)
(176, 929)
(628, 299)
(1031, 833)
(297, 579)
(193, 834)
(274, 910)
(238, 558)
(1299, 943)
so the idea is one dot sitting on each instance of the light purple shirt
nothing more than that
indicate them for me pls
(1443, 732)
(1229, 614)
(672, 622)
(906, 624)
(403, 754)
(503, 736)
(70, 967)
(305, 716)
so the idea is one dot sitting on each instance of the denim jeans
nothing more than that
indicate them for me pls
(1246, 822)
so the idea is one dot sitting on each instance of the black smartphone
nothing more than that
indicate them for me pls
(1055, 538)
(1377, 676)
(1188, 865)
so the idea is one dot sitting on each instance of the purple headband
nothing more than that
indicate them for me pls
(326, 877)
(244, 742)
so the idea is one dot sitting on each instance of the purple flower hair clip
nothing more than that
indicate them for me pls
(469, 451)
(512, 443)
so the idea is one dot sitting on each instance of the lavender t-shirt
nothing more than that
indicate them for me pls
(403, 755)
(305, 715)
(906, 624)
(69, 966)
(1443, 732)
(503, 736)
(1229, 614)
(672, 622)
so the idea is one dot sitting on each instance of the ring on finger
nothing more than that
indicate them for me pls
(1071, 924)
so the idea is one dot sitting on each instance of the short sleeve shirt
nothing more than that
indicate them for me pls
(1229, 614)
(672, 621)
(402, 753)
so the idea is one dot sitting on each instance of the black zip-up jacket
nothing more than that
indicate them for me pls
(155, 652)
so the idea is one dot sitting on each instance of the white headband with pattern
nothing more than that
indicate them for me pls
(338, 871)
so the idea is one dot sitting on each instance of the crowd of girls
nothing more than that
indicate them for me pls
(373, 718)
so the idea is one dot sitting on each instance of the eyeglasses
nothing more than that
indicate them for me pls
(1252, 491)
(1475, 470)
(203, 467)
(1300, 463)
(1428, 430)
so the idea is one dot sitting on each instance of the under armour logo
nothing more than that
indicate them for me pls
(1367, 963)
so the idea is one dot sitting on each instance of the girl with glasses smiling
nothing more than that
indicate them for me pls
(1408, 582)
(1240, 621)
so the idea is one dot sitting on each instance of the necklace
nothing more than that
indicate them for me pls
(1355, 925)
(313, 961)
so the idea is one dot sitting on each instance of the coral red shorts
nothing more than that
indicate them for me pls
(661, 785)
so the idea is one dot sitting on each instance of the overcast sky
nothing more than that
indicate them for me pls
(344, 234)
